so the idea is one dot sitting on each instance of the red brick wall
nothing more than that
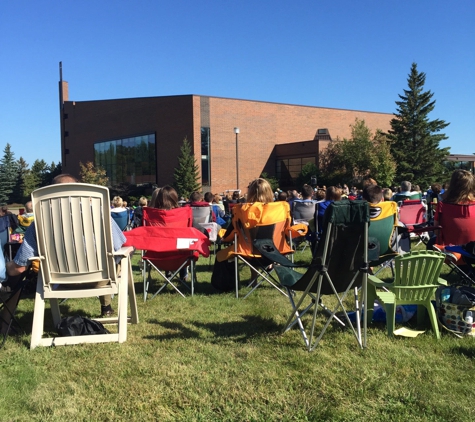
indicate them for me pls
(262, 125)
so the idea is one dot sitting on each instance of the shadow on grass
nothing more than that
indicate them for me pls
(239, 331)
(469, 352)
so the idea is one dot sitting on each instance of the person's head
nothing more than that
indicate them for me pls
(387, 194)
(436, 188)
(461, 188)
(320, 194)
(406, 186)
(373, 194)
(416, 188)
(143, 201)
(153, 200)
(295, 194)
(117, 202)
(217, 198)
(282, 196)
(124, 204)
(196, 196)
(167, 198)
(235, 195)
(259, 190)
(29, 207)
(64, 178)
(369, 181)
(307, 192)
(209, 197)
(333, 194)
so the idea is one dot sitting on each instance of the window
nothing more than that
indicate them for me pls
(288, 169)
(127, 160)
(205, 156)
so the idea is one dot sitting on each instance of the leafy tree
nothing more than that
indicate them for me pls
(272, 181)
(415, 138)
(186, 174)
(8, 174)
(364, 155)
(305, 177)
(93, 175)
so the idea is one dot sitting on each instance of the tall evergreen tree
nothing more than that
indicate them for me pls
(415, 138)
(8, 174)
(187, 173)
(18, 195)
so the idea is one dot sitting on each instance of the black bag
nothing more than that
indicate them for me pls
(79, 326)
(224, 276)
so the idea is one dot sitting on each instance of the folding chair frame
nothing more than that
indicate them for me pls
(321, 274)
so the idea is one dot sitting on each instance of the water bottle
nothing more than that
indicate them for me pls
(469, 318)
(445, 295)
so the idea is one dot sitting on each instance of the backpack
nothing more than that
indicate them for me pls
(452, 304)
(79, 326)
(224, 276)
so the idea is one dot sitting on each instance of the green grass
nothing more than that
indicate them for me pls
(214, 358)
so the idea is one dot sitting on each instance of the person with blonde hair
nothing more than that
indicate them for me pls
(118, 204)
(260, 190)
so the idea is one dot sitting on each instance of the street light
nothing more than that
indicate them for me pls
(236, 131)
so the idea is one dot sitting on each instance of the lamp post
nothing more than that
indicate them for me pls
(236, 131)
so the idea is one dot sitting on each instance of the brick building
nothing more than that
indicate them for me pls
(138, 140)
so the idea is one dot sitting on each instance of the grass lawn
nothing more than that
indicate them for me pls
(212, 357)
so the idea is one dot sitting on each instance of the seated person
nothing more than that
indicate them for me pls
(197, 200)
(29, 249)
(282, 196)
(373, 194)
(218, 212)
(25, 219)
(332, 194)
(387, 194)
(458, 211)
(405, 190)
(119, 213)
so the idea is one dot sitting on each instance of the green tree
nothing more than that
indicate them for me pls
(18, 194)
(8, 174)
(364, 155)
(187, 173)
(272, 181)
(305, 176)
(415, 138)
(93, 175)
(39, 171)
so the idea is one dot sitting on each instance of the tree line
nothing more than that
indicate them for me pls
(18, 179)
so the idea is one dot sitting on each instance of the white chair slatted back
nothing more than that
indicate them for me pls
(74, 233)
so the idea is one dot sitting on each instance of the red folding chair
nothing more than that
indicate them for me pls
(168, 260)
(168, 250)
(457, 227)
(413, 214)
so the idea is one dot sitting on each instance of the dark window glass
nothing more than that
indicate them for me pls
(127, 160)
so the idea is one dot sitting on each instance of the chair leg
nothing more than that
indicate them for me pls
(132, 298)
(55, 311)
(433, 320)
(390, 317)
(38, 315)
(122, 311)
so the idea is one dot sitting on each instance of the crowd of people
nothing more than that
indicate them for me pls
(460, 191)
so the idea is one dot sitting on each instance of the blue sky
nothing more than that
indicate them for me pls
(327, 53)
